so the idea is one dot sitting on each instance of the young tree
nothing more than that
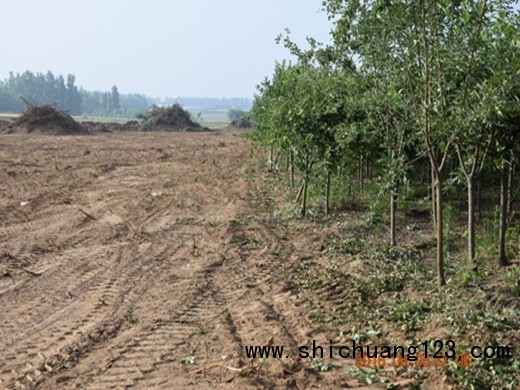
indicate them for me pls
(435, 46)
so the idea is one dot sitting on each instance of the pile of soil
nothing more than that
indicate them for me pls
(110, 127)
(241, 123)
(45, 119)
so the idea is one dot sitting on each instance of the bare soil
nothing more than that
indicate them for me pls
(119, 259)
(149, 260)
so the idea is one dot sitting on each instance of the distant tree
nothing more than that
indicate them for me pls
(73, 96)
(133, 103)
(48, 88)
(115, 105)
(61, 92)
(9, 103)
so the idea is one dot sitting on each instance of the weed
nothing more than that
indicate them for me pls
(410, 314)
(512, 280)
(485, 374)
(366, 376)
(368, 335)
(489, 237)
(318, 316)
(188, 360)
(244, 241)
(320, 365)
(184, 220)
(374, 215)
(131, 319)
(348, 245)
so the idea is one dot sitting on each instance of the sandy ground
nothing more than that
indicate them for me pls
(140, 260)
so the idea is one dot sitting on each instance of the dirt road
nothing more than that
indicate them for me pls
(142, 260)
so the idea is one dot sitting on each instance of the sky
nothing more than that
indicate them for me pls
(162, 48)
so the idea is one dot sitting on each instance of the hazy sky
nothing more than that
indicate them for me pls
(215, 48)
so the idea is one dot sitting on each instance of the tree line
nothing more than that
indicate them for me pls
(40, 88)
(414, 93)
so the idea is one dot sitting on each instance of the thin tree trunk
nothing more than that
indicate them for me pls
(300, 191)
(393, 207)
(479, 199)
(361, 175)
(504, 181)
(510, 193)
(359, 170)
(271, 157)
(276, 159)
(439, 230)
(327, 195)
(471, 220)
(304, 202)
(291, 167)
(434, 200)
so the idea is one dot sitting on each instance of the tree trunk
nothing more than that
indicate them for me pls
(439, 231)
(393, 207)
(271, 157)
(300, 192)
(434, 200)
(510, 193)
(361, 175)
(304, 201)
(471, 220)
(327, 194)
(504, 181)
(479, 198)
(276, 159)
(291, 167)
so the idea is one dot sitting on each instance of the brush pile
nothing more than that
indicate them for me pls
(45, 119)
(241, 123)
(169, 118)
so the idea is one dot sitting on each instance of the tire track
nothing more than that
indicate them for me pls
(105, 295)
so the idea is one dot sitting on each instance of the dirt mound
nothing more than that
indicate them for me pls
(110, 127)
(169, 118)
(45, 119)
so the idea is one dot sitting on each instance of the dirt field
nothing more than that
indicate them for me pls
(124, 259)
(149, 260)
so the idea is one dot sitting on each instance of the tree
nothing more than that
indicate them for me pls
(436, 46)
(115, 105)
(73, 96)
